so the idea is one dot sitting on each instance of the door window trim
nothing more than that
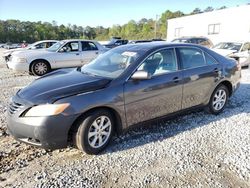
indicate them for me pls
(152, 53)
(193, 47)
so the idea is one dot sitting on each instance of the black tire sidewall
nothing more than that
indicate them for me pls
(83, 130)
(33, 68)
(211, 108)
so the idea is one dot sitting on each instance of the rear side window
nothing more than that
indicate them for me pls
(191, 58)
(88, 46)
(209, 59)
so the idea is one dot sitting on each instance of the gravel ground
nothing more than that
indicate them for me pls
(194, 150)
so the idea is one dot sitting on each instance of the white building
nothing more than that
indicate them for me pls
(231, 24)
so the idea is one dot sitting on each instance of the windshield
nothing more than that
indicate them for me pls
(228, 46)
(55, 46)
(111, 64)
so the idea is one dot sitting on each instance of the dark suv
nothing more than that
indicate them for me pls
(127, 85)
(195, 40)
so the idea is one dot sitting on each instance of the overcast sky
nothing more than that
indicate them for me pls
(100, 12)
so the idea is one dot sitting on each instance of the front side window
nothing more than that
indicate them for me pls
(70, 47)
(191, 58)
(160, 62)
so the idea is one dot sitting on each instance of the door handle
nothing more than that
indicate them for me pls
(77, 54)
(176, 79)
(97, 53)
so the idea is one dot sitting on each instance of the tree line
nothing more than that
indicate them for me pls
(16, 31)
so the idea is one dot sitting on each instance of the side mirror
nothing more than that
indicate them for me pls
(141, 75)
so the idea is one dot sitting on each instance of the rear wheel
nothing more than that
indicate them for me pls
(40, 68)
(94, 132)
(218, 99)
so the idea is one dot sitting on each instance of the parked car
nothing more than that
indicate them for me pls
(127, 85)
(195, 40)
(66, 53)
(37, 45)
(142, 41)
(138, 41)
(116, 41)
(237, 50)
(10, 45)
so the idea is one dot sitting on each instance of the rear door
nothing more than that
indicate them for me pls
(158, 96)
(200, 73)
(89, 52)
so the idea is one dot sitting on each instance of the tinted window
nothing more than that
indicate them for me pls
(161, 62)
(191, 58)
(40, 45)
(88, 46)
(209, 59)
(194, 41)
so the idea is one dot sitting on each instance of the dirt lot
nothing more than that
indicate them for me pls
(194, 150)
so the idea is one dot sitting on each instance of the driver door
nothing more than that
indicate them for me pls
(68, 55)
(158, 96)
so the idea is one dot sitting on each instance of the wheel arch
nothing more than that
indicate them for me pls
(40, 59)
(229, 86)
(115, 114)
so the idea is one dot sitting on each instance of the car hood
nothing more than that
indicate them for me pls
(8, 52)
(224, 52)
(31, 53)
(60, 84)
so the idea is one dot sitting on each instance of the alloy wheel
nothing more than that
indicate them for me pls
(99, 132)
(219, 99)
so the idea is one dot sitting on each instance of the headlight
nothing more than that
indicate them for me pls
(46, 110)
(19, 59)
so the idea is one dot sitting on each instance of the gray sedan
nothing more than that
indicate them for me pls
(126, 86)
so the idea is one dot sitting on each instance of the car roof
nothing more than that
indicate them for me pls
(70, 40)
(48, 41)
(155, 45)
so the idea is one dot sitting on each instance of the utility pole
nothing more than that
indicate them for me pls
(156, 20)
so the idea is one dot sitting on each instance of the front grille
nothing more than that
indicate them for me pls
(14, 107)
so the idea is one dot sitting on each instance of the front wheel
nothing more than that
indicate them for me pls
(40, 68)
(218, 100)
(94, 132)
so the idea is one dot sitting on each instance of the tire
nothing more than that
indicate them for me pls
(218, 100)
(40, 68)
(85, 137)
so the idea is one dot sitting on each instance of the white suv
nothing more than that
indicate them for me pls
(66, 53)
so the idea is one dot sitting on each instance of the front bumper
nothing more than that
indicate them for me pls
(18, 66)
(46, 132)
